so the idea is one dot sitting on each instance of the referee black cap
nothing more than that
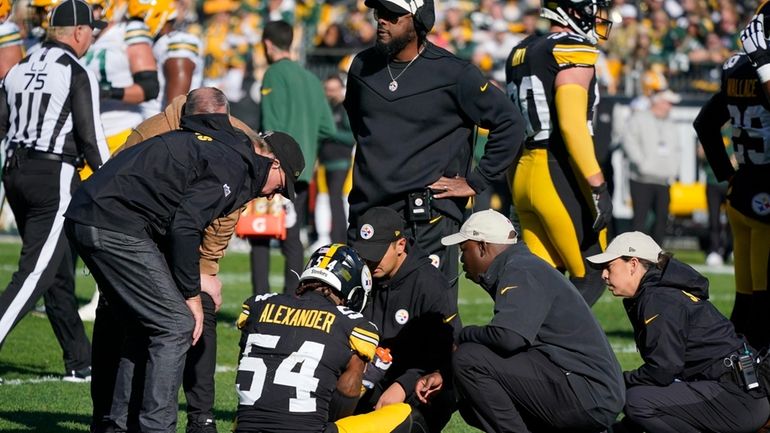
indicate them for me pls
(289, 154)
(71, 13)
(377, 229)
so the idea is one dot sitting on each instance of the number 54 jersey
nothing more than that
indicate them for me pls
(293, 350)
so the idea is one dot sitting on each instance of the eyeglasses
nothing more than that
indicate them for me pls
(387, 15)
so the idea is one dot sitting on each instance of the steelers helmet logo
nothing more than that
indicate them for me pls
(435, 260)
(366, 279)
(402, 316)
(367, 231)
(760, 204)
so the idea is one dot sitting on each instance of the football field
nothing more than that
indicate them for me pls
(32, 398)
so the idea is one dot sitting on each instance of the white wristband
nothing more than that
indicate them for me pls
(764, 73)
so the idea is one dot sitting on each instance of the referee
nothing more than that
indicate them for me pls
(49, 116)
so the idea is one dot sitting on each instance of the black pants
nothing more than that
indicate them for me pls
(335, 180)
(648, 197)
(39, 192)
(685, 407)
(521, 393)
(720, 238)
(199, 369)
(291, 248)
(134, 277)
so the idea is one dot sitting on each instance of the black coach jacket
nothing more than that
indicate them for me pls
(416, 318)
(171, 187)
(679, 333)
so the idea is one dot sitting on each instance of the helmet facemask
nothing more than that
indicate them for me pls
(588, 18)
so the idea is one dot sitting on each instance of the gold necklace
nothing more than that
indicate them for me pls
(393, 86)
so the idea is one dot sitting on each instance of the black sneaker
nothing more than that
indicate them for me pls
(76, 376)
(203, 426)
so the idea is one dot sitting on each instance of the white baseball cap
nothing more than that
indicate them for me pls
(630, 244)
(485, 226)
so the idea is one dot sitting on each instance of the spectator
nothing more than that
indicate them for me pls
(413, 132)
(691, 378)
(543, 363)
(720, 243)
(138, 226)
(293, 102)
(336, 155)
(652, 146)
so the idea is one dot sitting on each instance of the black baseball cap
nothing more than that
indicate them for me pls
(398, 7)
(377, 229)
(70, 13)
(288, 152)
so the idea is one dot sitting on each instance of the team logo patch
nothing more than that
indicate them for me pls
(367, 231)
(366, 279)
(202, 137)
(760, 204)
(402, 316)
(435, 260)
(226, 189)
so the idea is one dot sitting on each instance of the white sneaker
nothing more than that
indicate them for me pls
(714, 259)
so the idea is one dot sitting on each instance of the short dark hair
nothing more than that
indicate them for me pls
(205, 100)
(335, 77)
(280, 33)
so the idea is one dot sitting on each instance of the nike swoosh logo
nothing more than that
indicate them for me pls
(484, 87)
(266, 91)
(505, 289)
(648, 321)
(449, 319)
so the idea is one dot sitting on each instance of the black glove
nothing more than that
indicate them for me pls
(602, 206)
(106, 91)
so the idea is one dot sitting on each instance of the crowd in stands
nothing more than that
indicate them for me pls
(685, 41)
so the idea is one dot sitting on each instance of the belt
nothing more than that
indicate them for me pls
(48, 156)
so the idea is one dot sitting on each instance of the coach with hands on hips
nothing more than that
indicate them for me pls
(543, 363)
(137, 224)
(49, 116)
(414, 109)
(689, 381)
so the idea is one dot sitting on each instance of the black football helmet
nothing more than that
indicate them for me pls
(588, 18)
(342, 268)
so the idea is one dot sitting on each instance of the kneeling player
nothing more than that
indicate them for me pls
(303, 357)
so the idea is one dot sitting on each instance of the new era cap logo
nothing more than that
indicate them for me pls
(631, 249)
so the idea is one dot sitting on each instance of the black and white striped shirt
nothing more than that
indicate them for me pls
(49, 102)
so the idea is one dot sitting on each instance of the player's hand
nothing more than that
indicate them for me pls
(428, 385)
(212, 285)
(394, 394)
(447, 187)
(196, 308)
(754, 42)
(602, 206)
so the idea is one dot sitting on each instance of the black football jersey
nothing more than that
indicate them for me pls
(293, 350)
(749, 111)
(530, 74)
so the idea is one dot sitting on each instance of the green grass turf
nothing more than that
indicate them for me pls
(31, 399)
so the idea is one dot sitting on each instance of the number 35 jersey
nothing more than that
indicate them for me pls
(293, 350)
(531, 74)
